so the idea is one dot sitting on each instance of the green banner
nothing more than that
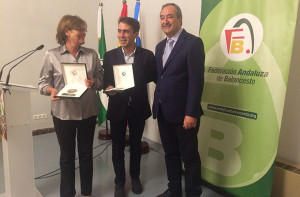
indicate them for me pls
(248, 46)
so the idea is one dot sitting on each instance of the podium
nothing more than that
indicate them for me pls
(17, 141)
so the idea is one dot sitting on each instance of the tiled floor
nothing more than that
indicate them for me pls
(46, 156)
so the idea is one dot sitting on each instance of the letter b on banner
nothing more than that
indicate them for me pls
(218, 142)
(237, 46)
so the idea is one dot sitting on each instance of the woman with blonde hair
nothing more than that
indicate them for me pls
(74, 119)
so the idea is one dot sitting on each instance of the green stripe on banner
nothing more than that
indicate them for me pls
(209, 6)
(248, 46)
(260, 188)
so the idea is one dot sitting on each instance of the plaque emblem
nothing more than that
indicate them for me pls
(72, 90)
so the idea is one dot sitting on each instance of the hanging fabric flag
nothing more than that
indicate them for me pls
(101, 49)
(124, 9)
(137, 16)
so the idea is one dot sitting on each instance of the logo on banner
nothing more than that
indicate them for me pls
(241, 37)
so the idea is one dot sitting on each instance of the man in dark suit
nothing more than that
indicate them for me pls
(131, 106)
(177, 101)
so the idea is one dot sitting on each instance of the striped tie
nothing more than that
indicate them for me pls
(168, 49)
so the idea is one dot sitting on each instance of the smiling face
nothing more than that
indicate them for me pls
(76, 37)
(126, 35)
(169, 22)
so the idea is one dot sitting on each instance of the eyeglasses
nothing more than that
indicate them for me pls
(82, 30)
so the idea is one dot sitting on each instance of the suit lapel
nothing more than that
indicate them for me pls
(137, 56)
(121, 59)
(120, 56)
(176, 48)
(160, 52)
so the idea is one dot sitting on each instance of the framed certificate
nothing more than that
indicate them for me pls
(74, 75)
(124, 78)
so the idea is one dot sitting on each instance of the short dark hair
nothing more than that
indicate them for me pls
(130, 21)
(177, 9)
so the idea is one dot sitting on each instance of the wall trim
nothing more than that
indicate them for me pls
(43, 131)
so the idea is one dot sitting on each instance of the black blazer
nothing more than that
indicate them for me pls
(144, 71)
(180, 82)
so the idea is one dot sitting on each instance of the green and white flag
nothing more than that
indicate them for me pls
(248, 46)
(101, 49)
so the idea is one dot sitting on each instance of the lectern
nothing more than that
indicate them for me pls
(17, 141)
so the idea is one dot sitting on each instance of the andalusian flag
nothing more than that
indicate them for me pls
(102, 49)
(137, 17)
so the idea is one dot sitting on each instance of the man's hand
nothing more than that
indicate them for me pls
(110, 94)
(189, 122)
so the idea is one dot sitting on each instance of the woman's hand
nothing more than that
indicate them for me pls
(52, 92)
(89, 82)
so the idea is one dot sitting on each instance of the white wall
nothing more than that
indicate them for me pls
(289, 143)
(27, 24)
(24, 25)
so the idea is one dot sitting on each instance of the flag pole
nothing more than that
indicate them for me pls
(104, 134)
(124, 14)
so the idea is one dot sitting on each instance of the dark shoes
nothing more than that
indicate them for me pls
(119, 191)
(136, 185)
(167, 193)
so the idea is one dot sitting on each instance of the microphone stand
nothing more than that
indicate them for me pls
(8, 75)
(13, 61)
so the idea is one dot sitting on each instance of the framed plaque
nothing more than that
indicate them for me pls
(124, 78)
(74, 75)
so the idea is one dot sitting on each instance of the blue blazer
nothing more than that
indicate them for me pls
(143, 71)
(180, 82)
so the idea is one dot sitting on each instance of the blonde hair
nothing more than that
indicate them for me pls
(68, 22)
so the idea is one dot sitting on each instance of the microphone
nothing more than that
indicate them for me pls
(39, 47)
(30, 53)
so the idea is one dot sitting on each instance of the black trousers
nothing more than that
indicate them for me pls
(67, 131)
(181, 145)
(118, 133)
